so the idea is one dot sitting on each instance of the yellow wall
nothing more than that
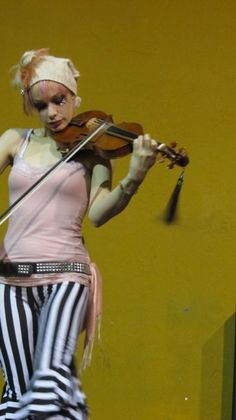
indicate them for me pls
(169, 291)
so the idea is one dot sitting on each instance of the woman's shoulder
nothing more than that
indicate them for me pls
(14, 134)
(12, 138)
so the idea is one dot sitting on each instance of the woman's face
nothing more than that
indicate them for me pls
(54, 103)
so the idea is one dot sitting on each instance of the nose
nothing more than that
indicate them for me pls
(52, 112)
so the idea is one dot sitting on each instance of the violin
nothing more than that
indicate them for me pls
(115, 141)
(95, 130)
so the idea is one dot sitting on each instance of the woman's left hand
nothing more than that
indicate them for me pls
(143, 157)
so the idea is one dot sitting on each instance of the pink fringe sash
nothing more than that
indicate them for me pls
(93, 314)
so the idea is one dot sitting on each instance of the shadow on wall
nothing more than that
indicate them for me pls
(217, 382)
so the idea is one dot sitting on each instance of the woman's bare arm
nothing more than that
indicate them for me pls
(9, 143)
(104, 203)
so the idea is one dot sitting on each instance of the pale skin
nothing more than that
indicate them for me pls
(55, 105)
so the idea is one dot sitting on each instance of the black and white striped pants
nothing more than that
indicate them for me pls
(39, 327)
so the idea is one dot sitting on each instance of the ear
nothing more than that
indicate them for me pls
(77, 101)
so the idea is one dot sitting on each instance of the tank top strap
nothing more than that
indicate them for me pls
(24, 143)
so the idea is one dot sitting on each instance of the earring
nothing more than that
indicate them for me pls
(77, 101)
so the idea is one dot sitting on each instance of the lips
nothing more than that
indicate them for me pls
(55, 123)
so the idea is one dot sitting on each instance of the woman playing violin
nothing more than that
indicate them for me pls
(47, 281)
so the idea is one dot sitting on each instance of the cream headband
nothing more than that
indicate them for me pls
(56, 69)
(36, 66)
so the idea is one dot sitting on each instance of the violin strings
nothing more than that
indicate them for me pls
(119, 131)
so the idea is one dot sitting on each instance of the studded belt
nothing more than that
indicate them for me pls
(26, 269)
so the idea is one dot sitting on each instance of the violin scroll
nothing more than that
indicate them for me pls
(177, 157)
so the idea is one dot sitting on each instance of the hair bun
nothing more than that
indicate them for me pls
(28, 56)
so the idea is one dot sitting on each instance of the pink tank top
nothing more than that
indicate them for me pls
(47, 227)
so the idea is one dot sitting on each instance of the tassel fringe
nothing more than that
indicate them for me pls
(171, 210)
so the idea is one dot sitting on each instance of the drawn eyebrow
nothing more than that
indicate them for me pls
(59, 96)
(39, 104)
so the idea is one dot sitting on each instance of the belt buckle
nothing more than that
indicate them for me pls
(24, 270)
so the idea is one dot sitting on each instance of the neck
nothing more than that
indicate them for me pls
(41, 132)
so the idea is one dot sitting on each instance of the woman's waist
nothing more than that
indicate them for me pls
(50, 250)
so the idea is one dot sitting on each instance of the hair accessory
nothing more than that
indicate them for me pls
(38, 65)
